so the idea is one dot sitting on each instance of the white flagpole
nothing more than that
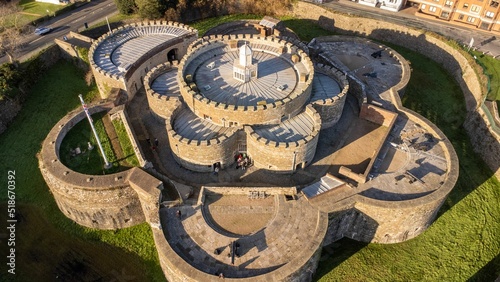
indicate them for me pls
(471, 43)
(107, 164)
(109, 27)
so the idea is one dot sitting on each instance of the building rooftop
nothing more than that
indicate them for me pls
(290, 130)
(324, 87)
(166, 84)
(213, 74)
(116, 53)
(189, 126)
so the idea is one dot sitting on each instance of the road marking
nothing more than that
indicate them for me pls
(32, 41)
(77, 20)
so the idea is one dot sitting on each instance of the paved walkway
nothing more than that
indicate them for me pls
(288, 235)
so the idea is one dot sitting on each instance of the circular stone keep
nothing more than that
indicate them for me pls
(245, 80)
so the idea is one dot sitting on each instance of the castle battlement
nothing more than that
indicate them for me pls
(285, 97)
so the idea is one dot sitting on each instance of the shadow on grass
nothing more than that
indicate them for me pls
(336, 253)
(46, 253)
(489, 272)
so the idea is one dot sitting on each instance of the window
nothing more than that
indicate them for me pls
(466, 5)
(432, 8)
(461, 17)
(448, 4)
(423, 7)
(475, 9)
(494, 4)
(445, 15)
(471, 19)
(490, 14)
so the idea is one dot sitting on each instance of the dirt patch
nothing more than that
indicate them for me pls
(238, 214)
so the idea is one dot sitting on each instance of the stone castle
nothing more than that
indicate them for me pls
(333, 152)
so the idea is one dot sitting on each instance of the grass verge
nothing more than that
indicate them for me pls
(33, 10)
(129, 157)
(491, 68)
(204, 25)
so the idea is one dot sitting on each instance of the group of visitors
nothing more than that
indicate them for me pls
(242, 161)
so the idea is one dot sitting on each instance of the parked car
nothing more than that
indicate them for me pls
(42, 30)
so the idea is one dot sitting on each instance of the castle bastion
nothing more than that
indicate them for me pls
(331, 151)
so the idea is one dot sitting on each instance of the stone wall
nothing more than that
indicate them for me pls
(371, 220)
(96, 201)
(299, 269)
(377, 115)
(331, 109)
(135, 75)
(284, 156)
(120, 113)
(200, 155)
(132, 79)
(224, 114)
(461, 68)
(162, 106)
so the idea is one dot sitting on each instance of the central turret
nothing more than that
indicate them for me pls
(244, 70)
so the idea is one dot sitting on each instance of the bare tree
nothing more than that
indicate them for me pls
(10, 29)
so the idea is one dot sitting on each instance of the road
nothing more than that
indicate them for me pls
(74, 20)
(483, 41)
(97, 10)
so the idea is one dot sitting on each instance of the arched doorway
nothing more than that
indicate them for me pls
(172, 55)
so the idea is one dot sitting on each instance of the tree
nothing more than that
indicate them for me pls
(10, 29)
(150, 9)
(126, 7)
(9, 80)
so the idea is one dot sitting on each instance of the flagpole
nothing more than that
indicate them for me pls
(471, 43)
(109, 27)
(85, 109)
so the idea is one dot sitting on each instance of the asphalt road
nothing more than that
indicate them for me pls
(483, 41)
(97, 10)
(91, 12)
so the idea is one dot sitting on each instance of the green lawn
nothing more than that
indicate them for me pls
(204, 25)
(88, 161)
(33, 10)
(39, 8)
(71, 247)
(492, 70)
(128, 150)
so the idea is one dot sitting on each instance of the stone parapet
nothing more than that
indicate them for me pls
(291, 216)
(96, 201)
(330, 109)
(284, 156)
(130, 79)
(162, 106)
(223, 114)
(200, 155)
